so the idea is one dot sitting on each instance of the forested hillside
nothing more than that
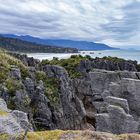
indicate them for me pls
(18, 45)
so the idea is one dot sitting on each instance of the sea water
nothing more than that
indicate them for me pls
(126, 54)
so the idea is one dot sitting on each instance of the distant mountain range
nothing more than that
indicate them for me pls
(80, 45)
(18, 45)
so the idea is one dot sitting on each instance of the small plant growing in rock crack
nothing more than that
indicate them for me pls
(13, 85)
(51, 86)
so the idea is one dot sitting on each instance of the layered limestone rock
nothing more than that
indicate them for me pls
(115, 99)
(12, 122)
(100, 100)
(71, 112)
(117, 118)
(110, 65)
(131, 92)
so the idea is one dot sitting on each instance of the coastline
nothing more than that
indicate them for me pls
(125, 54)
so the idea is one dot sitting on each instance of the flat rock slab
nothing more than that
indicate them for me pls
(110, 100)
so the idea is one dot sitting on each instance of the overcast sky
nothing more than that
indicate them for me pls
(113, 22)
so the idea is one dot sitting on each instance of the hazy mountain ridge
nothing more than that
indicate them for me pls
(80, 45)
(18, 45)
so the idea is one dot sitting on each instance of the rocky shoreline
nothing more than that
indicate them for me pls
(105, 99)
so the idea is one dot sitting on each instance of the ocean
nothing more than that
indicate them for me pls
(126, 54)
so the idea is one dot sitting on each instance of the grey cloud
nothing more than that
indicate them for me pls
(128, 26)
(93, 20)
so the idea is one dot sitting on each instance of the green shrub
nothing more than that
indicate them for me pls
(52, 90)
(6, 61)
(40, 75)
(88, 57)
(26, 100)
(51, 86)
(138, 67)
(13, 85)
(3, 74)
(69, 64)
(114, 59)
(11, 103)
(24, 72)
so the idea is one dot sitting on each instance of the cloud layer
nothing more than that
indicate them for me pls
(114, 22)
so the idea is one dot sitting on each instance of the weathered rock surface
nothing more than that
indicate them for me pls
(115, 99)
(99, 63)
(116, 120)
(110, 100)
(15, 72)
(88, 65)
(71, 111)
(102, 100)
(12, 122)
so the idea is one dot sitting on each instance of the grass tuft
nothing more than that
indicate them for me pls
(3, 113)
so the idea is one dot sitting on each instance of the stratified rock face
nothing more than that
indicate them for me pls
(28, 61)
(71, 111)
(110, 100)
(87, 65)
(12, 122)
(116, 120)
(101, 100)
(99, 63)
(131, 91)
(115, 98)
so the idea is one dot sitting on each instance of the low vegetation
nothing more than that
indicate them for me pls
(5, 137)
(114, 59)
(6, 62)
(71, 135)
(51, 86)
(46, 135)
(3, 113)
(128, 137)
(138, 67)
(69, 64)
(13, 85)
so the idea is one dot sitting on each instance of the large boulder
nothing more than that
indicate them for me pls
(22, 120)
(117, 102)
(100, 80)
(131, 92)
(116, 121)
(55, 71)
(15, 72)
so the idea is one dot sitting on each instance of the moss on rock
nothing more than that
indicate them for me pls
(3, 113)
